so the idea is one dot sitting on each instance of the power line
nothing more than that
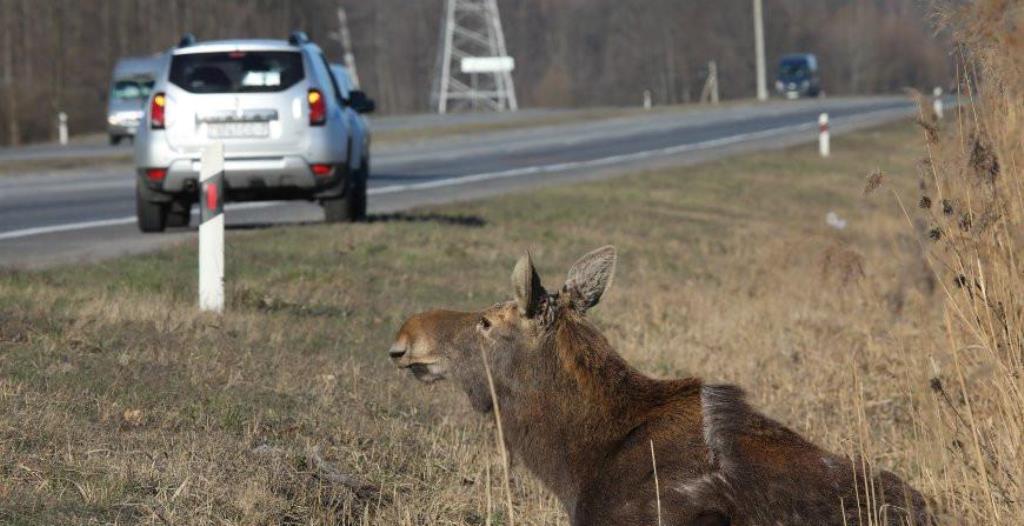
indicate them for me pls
(474, 70)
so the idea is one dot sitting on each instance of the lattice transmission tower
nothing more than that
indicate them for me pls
(474, 71)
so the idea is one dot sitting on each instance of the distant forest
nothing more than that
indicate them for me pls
(59, 54)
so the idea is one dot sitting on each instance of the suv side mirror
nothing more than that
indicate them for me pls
(360, 102)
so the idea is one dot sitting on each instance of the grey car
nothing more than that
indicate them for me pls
(130, 86)
(278, 111)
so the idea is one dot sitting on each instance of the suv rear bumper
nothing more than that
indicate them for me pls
(251, 179)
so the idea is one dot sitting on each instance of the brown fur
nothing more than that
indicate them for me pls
(583, 421)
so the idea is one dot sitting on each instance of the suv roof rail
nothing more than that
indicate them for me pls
(188, 39)
(297, 38)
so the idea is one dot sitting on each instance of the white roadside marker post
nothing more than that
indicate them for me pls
(211, 229)
(62, 128)
(647, 99)
(937, 102)
(823, 136)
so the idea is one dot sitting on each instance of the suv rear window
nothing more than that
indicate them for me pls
(237, 71)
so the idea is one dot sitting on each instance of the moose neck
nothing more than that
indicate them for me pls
(575, 407)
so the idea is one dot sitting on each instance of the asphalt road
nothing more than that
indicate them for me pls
(95, 146)
(88, 214)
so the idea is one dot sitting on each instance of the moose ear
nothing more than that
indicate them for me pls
(527, 287)
(590, 277)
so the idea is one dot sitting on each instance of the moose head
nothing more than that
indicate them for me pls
(513, 336)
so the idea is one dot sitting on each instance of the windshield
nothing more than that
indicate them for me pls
(237, 71)
(793, 69)
(132, 89)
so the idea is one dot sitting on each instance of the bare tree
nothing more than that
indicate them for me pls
(59, 55)
(10, 86)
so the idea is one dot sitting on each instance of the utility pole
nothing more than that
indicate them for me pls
(474, 70)
(343, 37)
(762, 81)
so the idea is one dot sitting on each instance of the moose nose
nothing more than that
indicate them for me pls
(396, 351)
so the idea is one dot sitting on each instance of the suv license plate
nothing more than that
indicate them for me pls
(232, 130)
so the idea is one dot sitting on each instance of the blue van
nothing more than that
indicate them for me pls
(798, 76)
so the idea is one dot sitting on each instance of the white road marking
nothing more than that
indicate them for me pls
(466, 179)
(40, 230)
(85, 225)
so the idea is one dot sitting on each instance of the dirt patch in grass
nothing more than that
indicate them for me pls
(123, 404)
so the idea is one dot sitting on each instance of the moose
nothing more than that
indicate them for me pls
(620, 448)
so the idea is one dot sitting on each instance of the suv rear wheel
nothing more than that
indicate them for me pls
(179, 213)
(152, 217)
(350, 207)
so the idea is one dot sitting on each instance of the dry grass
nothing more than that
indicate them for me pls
(122, 404)
(972, 205)
(553, 118)
(404, 135)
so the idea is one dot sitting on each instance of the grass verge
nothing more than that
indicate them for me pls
(554, 118)
(120, 403)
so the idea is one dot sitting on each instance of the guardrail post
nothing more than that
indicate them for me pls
(211, 229)
(823, 136)
(937, 103)
(62, 128)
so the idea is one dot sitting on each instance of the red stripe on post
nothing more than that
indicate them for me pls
(212, 199)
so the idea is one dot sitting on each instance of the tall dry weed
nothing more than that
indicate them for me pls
(973, 205)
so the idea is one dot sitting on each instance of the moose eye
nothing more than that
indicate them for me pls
(484, 324)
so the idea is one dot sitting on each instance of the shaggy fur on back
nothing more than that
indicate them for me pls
(769, 474)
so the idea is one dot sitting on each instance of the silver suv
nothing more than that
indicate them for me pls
(279, 112)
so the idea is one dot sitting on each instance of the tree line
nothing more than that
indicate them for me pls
(58, 54)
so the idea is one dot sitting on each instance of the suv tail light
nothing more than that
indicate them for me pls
(317, 108)
(156, 175)
(156, 111)
(322, 169)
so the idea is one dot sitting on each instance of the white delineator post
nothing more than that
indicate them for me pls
(211, 229)
(647, 99)
(823, 136)
(937, 103)
(62, 128)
